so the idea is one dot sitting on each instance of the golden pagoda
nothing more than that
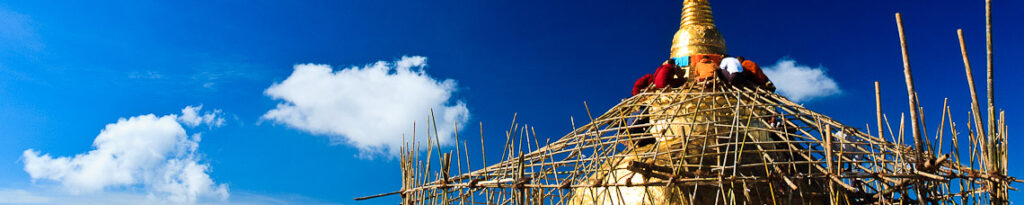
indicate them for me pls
(680, 122)
(697, 32)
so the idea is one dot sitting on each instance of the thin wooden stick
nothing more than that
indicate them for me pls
(942, 124)
(483, 151)
(924, 130)
(458, 150)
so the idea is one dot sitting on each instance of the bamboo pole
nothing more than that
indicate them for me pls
(924, 129)
(911, 94)
(942, 123)
(912, 98)
(976, 111)
(878, 108)
(998, 191)
(483, 151)
(991, 91)
(458, 150)
(437, 139)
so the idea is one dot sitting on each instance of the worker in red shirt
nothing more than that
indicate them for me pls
(665, 75)
(642, 83)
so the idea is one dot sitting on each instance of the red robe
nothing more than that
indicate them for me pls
(642, 83)
(755, 71)
(665, 77)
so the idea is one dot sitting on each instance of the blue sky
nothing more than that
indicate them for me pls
(70, 69)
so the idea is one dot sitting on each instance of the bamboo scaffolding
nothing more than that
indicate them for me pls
(711, 143)
(861, 167)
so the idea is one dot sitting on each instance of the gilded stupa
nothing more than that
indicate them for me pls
(706, 142)
(697, 32)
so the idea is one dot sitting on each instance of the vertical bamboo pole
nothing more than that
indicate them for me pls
(924, 129)
(1003, 142)
(912, 97)
(976, 111)
(878, 115)
(469, 171)
(911, 94)
(483, 153)
(954, 146)
(437, 139)
(430, 152)
(998, 192)
(878, 108)
(458, 150)
(991, 92)
(828, 163)
(942, 124)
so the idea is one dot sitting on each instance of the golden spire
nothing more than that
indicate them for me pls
(697, 33)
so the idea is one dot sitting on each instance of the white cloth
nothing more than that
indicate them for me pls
(847, 145)
(731, 64)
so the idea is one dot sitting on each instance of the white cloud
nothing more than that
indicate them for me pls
(147, 151)
(191, 117)
(370, 107)
(801, 83)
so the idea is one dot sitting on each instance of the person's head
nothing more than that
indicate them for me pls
(740, 58)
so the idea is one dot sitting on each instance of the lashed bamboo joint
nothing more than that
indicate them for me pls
(710, 143)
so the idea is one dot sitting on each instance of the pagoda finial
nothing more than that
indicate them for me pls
(697, 32)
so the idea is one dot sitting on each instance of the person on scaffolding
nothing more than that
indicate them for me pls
(705, 67)
(737, 71)
(666, 75)
(756, 75)
(731, 70)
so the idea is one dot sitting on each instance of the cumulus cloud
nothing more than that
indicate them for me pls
(191, 117)
(801, 83)
(147, 151)
(369, 107)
